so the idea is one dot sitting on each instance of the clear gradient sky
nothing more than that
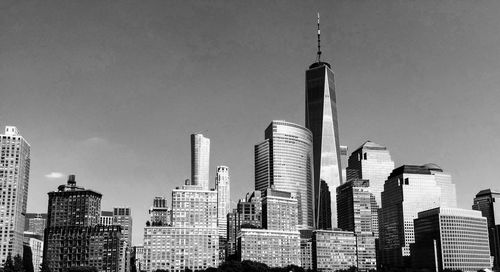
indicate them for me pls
(111, 90)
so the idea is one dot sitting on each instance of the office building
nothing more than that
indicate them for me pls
(35, 222)
(106, 218)
(275, 248)
(138, 255)
(284, 162)
(34, 243)
(122, 216)
(488, 202)
(160, 213)
(200, 160)
(279, 211)
(357, 207)
(321, 120)
(73, 236)
(249, 211)
(222, 186)
(231, 235)
(333, 250)
(443, 180)
(192, 239)
(14, 181)
(409, 190)
(94, 246)
(373, 162)
(451, 238)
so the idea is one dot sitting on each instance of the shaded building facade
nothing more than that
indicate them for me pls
(488, 202)
(451, 238)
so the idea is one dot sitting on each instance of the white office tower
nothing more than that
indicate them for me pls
(14, 180)
(222, 184)
(200, 160)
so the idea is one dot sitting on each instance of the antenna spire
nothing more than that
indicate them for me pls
(319, 42)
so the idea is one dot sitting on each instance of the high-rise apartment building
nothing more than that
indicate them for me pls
(357, 207)
(200, 160)
(222, 186)
(373, 162)
(279, 211)
(451, 238)
(488, 202)
(192, 239)
(74, 237)
(409, 190)
(160, 213)
(14, 181)
(333, 250)
(321, 120)
(284, 162)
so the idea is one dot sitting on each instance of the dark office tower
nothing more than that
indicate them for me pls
(284, 162)
(73, 236)
(122, 216)
(373, 162)
(321, 120)
(488, 202)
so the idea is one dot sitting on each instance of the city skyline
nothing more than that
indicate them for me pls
(84, 100)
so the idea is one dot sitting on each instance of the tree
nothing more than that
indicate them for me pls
(44, 267)
(8, 266)
(18, 264)
(27, 259)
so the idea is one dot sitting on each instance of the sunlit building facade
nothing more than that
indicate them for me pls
(14, 181)
(222, 186)
(333, 250)
(275, 248)
(284, 162)
(372, 162)
(200, 160)
(451, 238)
(279, 211)
(409, 190)
(160, 214)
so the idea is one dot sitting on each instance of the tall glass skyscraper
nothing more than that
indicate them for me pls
(373, 162)
(200, 160)
(321, 119)
(284, 162)
(14, 179)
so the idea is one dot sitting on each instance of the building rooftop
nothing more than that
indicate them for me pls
(487, 192)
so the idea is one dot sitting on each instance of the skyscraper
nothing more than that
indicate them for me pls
(160, 214)
(14, 180)
(488, 202)
(357, 208)
(408, 190)
(284, 162)
(321, 120)
(122, 216)
(371, 161)
(200, 160)
(223, 205)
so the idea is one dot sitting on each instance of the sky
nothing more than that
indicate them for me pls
(111, 90)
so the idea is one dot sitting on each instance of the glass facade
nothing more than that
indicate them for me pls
(321, 120)
(284, 162)
(200, 160)
(371, 161)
